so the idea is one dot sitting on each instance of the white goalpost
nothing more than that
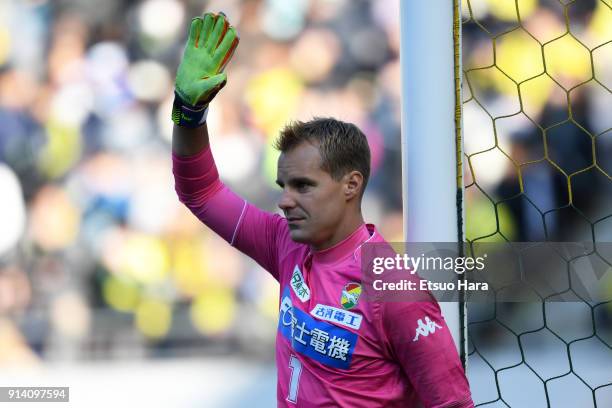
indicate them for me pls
(429, 154)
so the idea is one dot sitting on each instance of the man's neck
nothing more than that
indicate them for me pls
(346, 228)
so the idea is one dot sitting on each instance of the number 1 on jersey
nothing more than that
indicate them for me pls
(294, 381)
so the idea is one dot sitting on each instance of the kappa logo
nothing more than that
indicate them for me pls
(425, 329)
(299, 285)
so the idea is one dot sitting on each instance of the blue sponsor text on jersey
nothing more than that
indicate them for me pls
(319, 340)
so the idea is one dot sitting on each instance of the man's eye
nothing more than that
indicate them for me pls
(302, 187)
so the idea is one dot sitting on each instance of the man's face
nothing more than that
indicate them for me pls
(313, 202)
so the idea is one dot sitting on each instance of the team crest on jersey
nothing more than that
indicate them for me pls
(301, 290)
(350, 295)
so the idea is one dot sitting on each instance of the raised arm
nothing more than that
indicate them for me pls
(189, 141)
(210, 46)
(199, 78)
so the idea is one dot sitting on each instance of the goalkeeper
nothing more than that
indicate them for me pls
(331, 349)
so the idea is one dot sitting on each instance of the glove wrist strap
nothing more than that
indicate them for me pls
(186, 115)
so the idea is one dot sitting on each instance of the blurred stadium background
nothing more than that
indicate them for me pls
(110, 286)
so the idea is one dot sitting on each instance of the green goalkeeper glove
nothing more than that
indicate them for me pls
(210, 46)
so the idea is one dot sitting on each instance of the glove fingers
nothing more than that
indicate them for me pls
(226, 26)
(217, 33)
(226, 50)
(207, 26)
(194, 31)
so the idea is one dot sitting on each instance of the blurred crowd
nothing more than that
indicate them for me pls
(97, 256)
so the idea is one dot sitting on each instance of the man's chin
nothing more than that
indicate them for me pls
(298, 235)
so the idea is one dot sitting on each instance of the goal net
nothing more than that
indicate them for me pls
(532, 132)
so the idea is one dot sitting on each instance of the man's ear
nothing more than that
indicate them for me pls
(353, 184)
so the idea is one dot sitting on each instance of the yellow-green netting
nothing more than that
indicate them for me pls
(537, 166)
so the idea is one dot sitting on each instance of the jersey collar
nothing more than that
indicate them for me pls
(346, 247)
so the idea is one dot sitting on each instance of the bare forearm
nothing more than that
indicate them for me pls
(189, 141)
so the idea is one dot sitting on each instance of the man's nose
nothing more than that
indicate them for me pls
(286, 201)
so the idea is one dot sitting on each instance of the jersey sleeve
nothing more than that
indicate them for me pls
(418, 338)
(258, 234)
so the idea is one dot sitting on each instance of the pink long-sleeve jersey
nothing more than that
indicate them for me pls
(332, 349)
